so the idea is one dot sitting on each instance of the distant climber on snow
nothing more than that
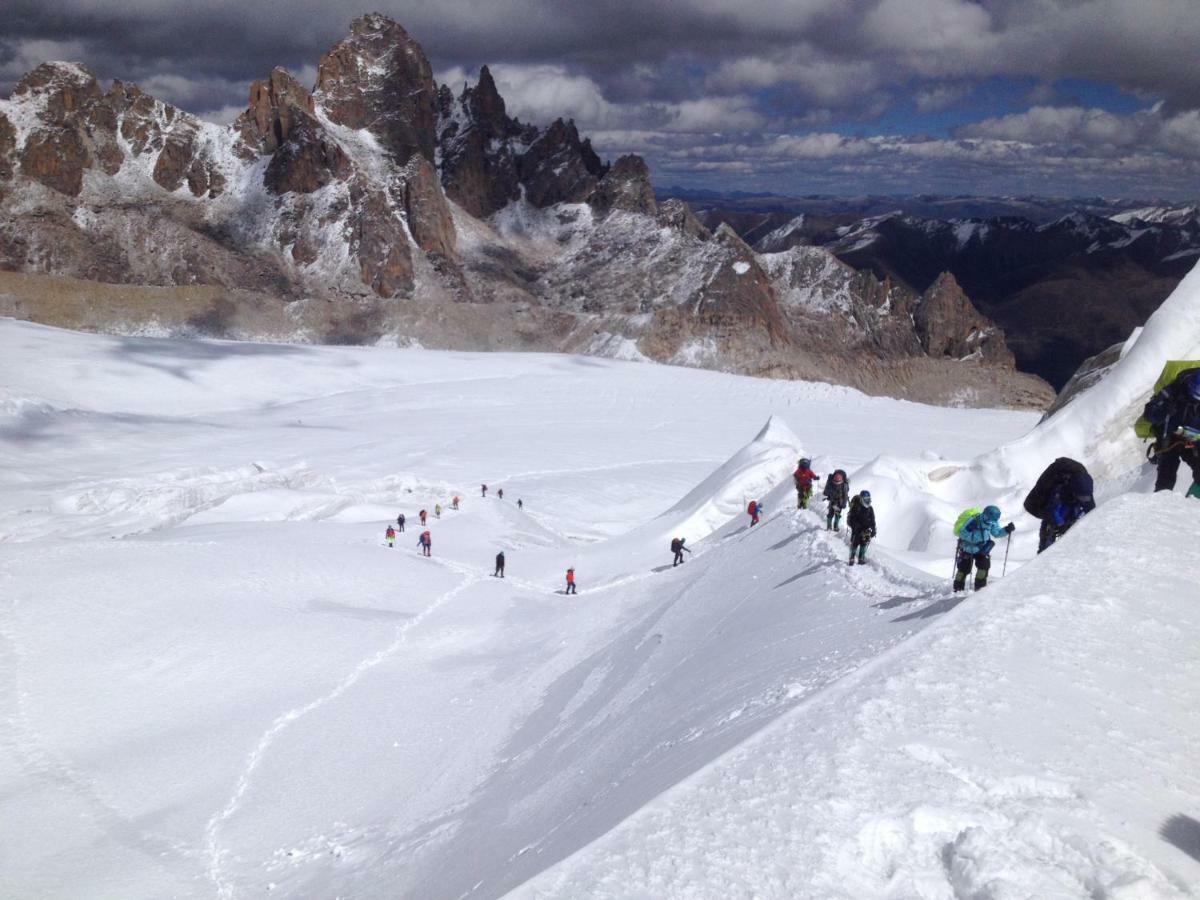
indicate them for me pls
(570, 582)
(500, 494)
(390, 536)
(804, 477)
(678, 548)
(499, 573)
(837, 495)
(400, 522)
(754, 509)
(483, 490)
(520, 505)
(422, 515)
(425, 542)
(454, 502)
(975, 530)
(437, 510)
(861, 520)
(1062, 495)
(1173, 416)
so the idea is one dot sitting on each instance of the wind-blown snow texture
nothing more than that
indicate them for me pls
(219, 682)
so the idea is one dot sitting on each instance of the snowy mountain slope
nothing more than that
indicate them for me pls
(219, 679)
(1033, 743)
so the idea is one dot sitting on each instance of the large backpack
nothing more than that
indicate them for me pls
(963, 518)
(1061, 471)
(753, 507)
(675, 545)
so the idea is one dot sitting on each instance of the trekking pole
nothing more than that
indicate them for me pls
(1007, 545)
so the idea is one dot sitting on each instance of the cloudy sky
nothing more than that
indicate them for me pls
(1046, 97)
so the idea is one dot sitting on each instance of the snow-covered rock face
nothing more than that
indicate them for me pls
(379, 186)
(1061, 291)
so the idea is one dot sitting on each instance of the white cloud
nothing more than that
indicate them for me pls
(19, 57)
(190, 93)
(810, 74)
(716, 114)
(939, 97)
(542, 93)
(928, 26)
(1096, 130)
(223, 116)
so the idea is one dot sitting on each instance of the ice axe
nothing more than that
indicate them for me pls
(1007, 545)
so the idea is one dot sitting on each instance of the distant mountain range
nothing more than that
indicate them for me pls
(379, 206)
(1064, 279)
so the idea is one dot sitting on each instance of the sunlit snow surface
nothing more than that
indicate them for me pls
(218, 680)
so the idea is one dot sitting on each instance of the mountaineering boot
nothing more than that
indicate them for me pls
(980, 580)
(850, 562)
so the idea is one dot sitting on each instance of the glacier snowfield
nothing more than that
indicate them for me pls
(218, 681)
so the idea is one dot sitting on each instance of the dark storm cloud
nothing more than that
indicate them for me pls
(665, 68)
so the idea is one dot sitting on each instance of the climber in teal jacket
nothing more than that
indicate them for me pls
(975, 546)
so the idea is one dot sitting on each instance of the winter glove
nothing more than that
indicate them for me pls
(1010, 528)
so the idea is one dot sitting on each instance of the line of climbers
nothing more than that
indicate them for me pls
(860, 516)
(1062, 495)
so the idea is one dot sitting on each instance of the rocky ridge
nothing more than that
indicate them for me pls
(1062, 289)
(441, 219)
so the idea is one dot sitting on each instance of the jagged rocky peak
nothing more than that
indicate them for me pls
(949, 325)
(275, 104)
(64, 88)
(281, 122)
(76, 127)
(379, 79)
(487, 157)
(626, 186)
(479, 146)
(560, 167)
(486, 107)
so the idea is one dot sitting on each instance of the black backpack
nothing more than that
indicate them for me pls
(1058, 472)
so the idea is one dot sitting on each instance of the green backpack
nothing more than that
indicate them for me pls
(1169, 373)
(963, 518)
